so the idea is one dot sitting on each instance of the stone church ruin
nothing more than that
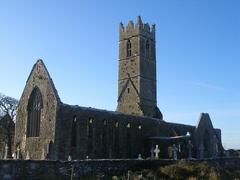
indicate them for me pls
(47, 128)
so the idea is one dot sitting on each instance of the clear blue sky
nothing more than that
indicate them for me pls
(198, 54)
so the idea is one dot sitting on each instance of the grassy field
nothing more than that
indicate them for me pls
(182, 170)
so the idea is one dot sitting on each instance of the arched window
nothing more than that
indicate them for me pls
(116, 140)
(35, 106)
(104, 138)
(90, 128)
(74, 132)
(129, 48)
(147, 48)
(90, 135)
(128, 141)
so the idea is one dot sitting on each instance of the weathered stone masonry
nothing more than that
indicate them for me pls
(46, 128)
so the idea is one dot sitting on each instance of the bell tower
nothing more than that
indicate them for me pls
(137, 70)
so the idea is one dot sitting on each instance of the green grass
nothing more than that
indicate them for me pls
(185, 170)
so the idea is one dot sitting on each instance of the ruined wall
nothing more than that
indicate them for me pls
(7, 129)
(103, 134)
(37, 146)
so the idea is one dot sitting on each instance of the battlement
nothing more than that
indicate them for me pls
(138, 28)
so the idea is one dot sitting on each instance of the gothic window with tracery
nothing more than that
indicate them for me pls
(35, 106)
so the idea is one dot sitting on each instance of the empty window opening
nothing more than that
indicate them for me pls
(147, 48)
(90, 136)
(74, 132)
(35, 106)
(129, 48)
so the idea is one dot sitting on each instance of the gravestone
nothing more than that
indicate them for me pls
(14, 156)
(156, 151)
(152, 153)
(69, 158)
(140, 157)
(18, 153)
(189, 147)
(6, 152)
(174, 150)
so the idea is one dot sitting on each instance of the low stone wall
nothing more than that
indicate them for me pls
(51, 170)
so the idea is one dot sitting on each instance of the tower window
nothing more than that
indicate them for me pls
(147, 48)
(128, 90)
(129, 48)
(35, 106)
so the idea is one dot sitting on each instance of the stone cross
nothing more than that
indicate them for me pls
(140, 157)
(174, 150)
(6, 152)
(14, 155)
(27, 156)
(189, 147)
(152, 153)
(18, 152)
(69, 158)
(156, 151)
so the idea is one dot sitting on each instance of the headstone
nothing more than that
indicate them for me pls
(156, 151)
(69, 158)
(140, 157)
(152, 153)
(27, 156)
(179, 148)
(6, 152)
(189, 148)
(174, 149)
(14, 155)
(43, 154)
(18, 153)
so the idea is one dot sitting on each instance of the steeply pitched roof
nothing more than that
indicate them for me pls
(41, 63)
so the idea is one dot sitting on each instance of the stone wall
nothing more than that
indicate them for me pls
(137, 70)
(103, 134)
(35, 146)
(51, 170)
(7, 129)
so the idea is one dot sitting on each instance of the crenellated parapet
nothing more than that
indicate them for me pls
(133, 29)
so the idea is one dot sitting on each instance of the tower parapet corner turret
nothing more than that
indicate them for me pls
(139, 27)
(121, 27)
